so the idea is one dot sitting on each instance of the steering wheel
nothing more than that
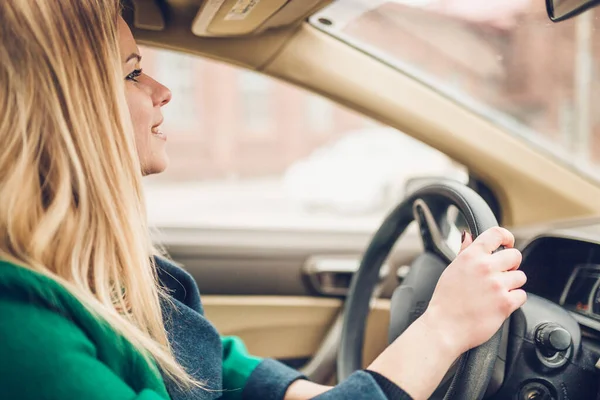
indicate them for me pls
(474, 369)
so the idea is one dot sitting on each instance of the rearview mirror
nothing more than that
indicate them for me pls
(559, 10)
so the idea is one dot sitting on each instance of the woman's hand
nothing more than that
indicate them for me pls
(478, 291)
(473, 297)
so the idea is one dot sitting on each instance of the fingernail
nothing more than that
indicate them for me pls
(463, 237)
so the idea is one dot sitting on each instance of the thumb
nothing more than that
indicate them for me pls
(467, 239)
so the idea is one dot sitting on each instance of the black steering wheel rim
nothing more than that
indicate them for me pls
(475, 367)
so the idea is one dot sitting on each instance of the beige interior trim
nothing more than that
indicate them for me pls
(226, 18)
(236, 17)
(248, 52)
(531, 186)
(289, 327)
(294, 12)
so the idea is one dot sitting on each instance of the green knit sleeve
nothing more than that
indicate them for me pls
(238, 365)
(44, 355)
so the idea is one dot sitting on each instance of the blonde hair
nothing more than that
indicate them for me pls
(71, 201)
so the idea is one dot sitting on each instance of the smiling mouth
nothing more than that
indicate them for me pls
(156, 132)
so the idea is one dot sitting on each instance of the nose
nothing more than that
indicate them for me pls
(161, 94)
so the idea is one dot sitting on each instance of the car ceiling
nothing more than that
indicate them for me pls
(202, 27)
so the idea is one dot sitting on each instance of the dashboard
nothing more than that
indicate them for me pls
(582, 291)
(566, 271)
(554, 338)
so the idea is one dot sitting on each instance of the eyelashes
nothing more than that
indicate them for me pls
(134, 75)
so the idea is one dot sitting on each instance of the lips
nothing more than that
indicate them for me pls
(156, 132)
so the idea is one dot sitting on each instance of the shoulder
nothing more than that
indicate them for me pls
(31, 303)
(28, 328)
(51, 342)
(45, 355)
(23, 287)
(39, 342)
(37, 310)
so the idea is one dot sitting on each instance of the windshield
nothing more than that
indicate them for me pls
(501, 58)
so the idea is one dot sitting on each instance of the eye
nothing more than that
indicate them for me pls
(134, 75)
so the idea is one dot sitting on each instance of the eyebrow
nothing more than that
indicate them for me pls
(133, 56)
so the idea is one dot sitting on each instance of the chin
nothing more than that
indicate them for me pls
(156, 166)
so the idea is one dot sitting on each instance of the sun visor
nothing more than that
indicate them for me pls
(223, 18)
(147, 15)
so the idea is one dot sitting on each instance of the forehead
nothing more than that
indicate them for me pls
(127, 43)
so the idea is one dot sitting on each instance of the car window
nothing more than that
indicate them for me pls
(249, 151)
(502, 59)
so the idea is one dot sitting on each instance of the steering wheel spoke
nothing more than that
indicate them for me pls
(411, 299)
(433, 240)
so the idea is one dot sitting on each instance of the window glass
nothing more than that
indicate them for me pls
(258, 153)
(188, 102)
(255, 102)
(319, 115)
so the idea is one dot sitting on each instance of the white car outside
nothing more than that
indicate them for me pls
(365, 171)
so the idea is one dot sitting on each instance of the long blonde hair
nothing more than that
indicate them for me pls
(71, 201)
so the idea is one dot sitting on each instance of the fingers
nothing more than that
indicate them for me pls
(495, 237)
(466, 241)
(506, 260)
(517, 298)
(512, 280)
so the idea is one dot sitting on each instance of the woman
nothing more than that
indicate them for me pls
(87, 311)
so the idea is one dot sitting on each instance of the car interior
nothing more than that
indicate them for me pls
(326, 301)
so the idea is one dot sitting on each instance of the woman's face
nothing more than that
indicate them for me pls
(145, 97)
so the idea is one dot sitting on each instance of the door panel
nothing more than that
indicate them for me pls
(248, 262)
(274, 326)
(235, 275)
(290, 327)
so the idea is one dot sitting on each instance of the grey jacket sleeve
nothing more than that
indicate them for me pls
(365, 385)
(269, 381)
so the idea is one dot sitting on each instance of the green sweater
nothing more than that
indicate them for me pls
(52, 347)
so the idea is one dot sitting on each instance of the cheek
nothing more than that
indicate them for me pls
(140, 109)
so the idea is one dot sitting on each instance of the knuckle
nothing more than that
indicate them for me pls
(485, 262)
(492, 235)
(484, 236)
(486, 266)
(503, 234)
(507, 233)
(481, 265)
(499, 232)
(468, 255)
(496, 285)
